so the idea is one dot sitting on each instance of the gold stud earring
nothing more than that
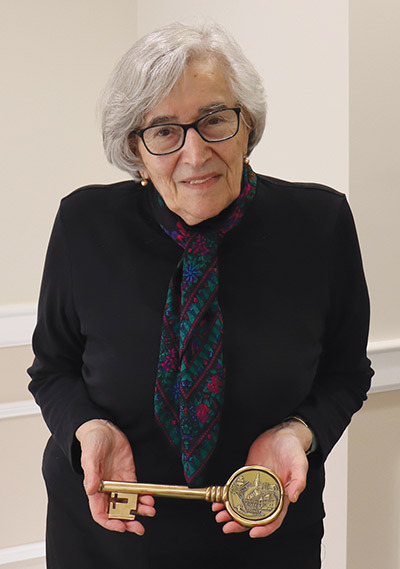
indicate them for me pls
(246, 160)
(144, 182)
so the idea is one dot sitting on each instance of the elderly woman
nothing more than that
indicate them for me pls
(194, 320)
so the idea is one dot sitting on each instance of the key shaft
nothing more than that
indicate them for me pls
(210, 494)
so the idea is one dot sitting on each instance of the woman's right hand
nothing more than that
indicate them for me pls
(107, 455)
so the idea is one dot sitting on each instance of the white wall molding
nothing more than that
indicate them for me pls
(384, 346)
(22, 553)
(18, 409)
(17, 322)
(385, 358)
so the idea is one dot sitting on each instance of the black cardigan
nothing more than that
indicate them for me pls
(295, 308)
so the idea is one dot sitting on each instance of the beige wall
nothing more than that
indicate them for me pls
(58, 56)
(374, 451)
(13, 377)
(374, 480)
(22, 440)
(374, 153)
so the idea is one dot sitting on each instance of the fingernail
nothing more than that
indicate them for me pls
(137, 532)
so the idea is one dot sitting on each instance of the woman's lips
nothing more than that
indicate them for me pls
(201, 180)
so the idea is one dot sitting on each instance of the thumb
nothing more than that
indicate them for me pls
(293, 491)
(91, 482)
(295, 486)
(91, 472)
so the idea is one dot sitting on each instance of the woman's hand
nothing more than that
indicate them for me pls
(281, 449)
(107, 455)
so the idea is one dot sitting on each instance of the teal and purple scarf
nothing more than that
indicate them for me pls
(189, 388)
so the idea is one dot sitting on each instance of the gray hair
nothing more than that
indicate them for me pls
(150, 69)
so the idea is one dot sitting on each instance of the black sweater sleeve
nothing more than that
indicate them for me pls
(344, 374)
(57, 383)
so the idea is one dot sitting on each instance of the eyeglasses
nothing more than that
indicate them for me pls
(167, 138)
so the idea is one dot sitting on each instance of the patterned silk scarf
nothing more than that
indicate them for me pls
(190, 377)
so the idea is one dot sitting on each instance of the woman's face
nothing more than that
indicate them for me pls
(202, 178)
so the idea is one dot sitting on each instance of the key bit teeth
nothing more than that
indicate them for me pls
(122, 506)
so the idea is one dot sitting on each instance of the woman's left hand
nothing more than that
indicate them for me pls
(282, 450)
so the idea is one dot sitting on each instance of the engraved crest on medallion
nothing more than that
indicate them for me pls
(255, 498)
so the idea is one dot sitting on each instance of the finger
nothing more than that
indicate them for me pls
(223, 516)
(121, 526)
(217, 507)
(233, 527)
(263, 531)
(148, 511)
(268, 529)
(135, 527)
(145, 506)
(147, 500)
(230, 526)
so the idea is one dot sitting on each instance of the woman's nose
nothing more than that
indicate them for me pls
(195, 151)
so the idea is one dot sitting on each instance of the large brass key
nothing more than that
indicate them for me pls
(253, 495)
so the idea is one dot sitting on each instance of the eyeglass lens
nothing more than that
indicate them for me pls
(214, 127)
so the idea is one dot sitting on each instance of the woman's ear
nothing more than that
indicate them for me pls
(133, 147)
(248, 125)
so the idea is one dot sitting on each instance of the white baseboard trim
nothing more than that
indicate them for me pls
(22, 552)
(385, 358)
(387, 371)
(384, 346)
(17, 322)
(18, 409)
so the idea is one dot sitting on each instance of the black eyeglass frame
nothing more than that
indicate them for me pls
(185, 127)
